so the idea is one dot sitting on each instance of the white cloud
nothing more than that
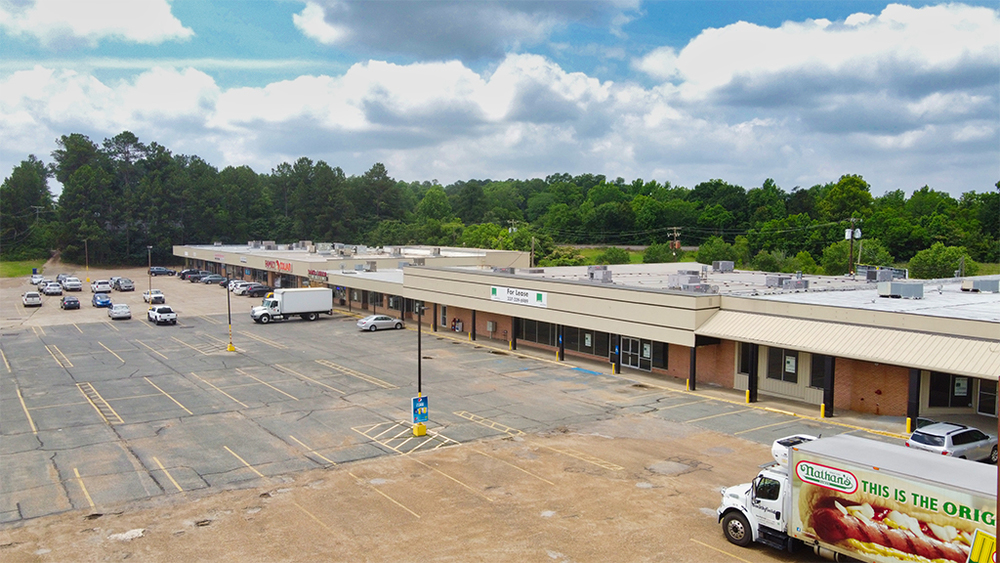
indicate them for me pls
(67, 23)
(446, 29)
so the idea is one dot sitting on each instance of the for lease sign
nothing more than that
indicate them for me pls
(519, 296)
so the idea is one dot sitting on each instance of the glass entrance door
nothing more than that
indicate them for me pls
(987, 397)
(637, 353)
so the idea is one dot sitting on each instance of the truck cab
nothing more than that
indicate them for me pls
(758, 511)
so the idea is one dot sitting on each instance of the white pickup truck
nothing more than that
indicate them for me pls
(162, 314)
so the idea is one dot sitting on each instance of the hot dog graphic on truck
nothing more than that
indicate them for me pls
(868, 500)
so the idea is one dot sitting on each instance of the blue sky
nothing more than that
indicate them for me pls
(904, 94)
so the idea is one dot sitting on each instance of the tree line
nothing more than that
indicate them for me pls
(122, 195)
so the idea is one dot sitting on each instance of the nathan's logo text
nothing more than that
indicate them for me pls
(278, 265)
(827, 477)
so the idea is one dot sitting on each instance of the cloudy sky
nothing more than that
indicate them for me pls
(800, 91)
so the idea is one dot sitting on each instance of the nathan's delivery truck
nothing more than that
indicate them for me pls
(307, 302)
(849, 497)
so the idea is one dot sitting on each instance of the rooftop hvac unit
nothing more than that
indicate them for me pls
(253, 243)
(688, 272)
(271, 246)
(795, 284)
(504, 270)
(338, 245)
(402, 265)
(359, 267)
(361, 249)
(436, 251)
(899, 290)
(697, 287)
(419, 261)
(371, 266)
(600, 276)
(977, 286)
(776, 281)
(311, 249)
(535, 271)
(681, 279)
(722, 266)
(305, 243)
(885, 275)
(217, 243)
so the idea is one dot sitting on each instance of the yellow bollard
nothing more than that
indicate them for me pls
(748, 396)
(687, 384)
(909, 425)
(822, 410)
(419, 429)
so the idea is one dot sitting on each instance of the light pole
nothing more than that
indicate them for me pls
(229, 312)
(419, 429)
(149, 274)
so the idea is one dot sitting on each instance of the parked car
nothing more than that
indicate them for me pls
(69, 302)
(233, 284)
(196, 276)
(161, 314)
(42, 283)
(956, 440)
(114, 281)
(52, 289)
(241, 288)
(185, 273)
(100, 286)
(124, 284)
(224, 282)
(258, 290)
(72, 284)
(101, 300)
(161, 271)
(154, 296)
(211, 278)
(36, 279)
(61, 277)
(376, 322)
(31, 299)
(119, 311)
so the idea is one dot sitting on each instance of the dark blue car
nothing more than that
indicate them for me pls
(101, 300)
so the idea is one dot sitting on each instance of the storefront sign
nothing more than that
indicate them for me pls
(220, 257)
(519, 296)
(319, 275)
(278, 265)
(243, 259)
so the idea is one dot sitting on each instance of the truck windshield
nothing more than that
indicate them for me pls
(270, 303)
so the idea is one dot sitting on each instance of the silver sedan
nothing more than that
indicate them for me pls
(376, 322)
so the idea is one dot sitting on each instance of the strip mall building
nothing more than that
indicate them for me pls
(836, 344)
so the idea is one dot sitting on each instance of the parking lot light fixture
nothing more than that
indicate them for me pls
(419, 429)
(149, 273)
(229, 312)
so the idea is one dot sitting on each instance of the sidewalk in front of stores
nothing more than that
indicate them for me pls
(890, 425)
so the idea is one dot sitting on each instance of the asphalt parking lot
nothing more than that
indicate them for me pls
(301, 437)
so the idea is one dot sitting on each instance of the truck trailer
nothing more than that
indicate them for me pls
(850, 498)
(307, 302)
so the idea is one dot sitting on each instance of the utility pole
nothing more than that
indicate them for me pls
(532, 263)
(674, 245)
(37, 208)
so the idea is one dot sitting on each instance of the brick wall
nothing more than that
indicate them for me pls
(871, 388)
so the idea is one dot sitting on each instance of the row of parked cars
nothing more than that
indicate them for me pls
(238, 287)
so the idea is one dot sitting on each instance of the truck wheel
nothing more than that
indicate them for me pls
(173, 322)
(737, 529)
(312, 316)
(372, 328)
(993, 455)
(264, 319)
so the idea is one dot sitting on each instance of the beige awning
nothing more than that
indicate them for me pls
(936, 352)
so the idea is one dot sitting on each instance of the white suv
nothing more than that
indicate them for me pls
(100, 286)
(72, 284)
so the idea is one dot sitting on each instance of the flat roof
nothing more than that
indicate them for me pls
(326, 252)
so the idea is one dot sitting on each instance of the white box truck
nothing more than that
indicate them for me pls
(306, 302)
(852, 498)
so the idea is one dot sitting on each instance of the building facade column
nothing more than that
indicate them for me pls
(829, 366)
(913, 401)
(692, 382)
(753, 370)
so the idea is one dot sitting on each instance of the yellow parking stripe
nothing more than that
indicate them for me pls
(489, 423)
(111, 326)
(168, 395)
(152, 350)
(738, 558)
(392, 500)
(167, 473)
(241, 403)
(5, 362)
(312, 451)
(313, 516)
(263, 340)
(760, 427)
(262, 382)
(715, 415)
(84, 487)
(515, 467)
(77, 328)
(477, 493)
(189, 346)
(34, 430)
(250, 467)
(587, 458)
(357, 374)
(97, 401)
(306, 377)
(112, 352)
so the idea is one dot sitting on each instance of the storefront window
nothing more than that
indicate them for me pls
(949, 390)
(818, 372)
(783, 365)
(744, 366)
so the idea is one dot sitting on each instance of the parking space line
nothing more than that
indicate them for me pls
(406, 430)
(587, 458)
(169, 476)
(306, 377)
(311, 515)
(168, 395)
(489, 423)
(64, 362)
(450, 477)
(112, 353)
(720, 551)
(261, 381)
(222, 342)
(78, 328)
(34, 430)
(252, 468)
(84, 487)
(209, 320)
(312, 451)
(241, 403)
(357, 374)
(684, 404)
(515, 467)
(152, 350)
(394, 501)
(37, 330)
(715, 415)
(5, 362)
(111, 326)
(97, 401)
(761, 427)
(263, 340)
(189, 346)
